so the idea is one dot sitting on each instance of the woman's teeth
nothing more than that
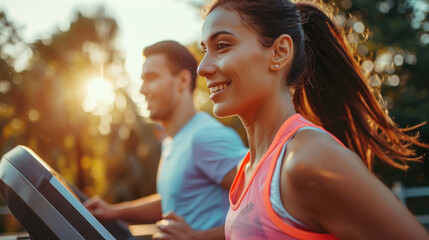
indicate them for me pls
(218, 88)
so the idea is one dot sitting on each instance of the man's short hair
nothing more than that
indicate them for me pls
(178, 57)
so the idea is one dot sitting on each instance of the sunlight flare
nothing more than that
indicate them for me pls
(100, 97)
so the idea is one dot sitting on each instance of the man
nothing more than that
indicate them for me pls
(198, 160)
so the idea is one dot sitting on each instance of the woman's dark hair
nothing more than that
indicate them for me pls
(178, 57)
(329, 89)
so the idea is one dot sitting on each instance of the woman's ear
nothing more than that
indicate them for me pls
(185, 78)
(283, 52)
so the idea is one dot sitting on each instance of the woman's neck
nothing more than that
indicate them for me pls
(263, 124)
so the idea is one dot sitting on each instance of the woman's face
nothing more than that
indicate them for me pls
(236, 66)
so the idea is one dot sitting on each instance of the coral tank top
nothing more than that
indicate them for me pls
(251, 216)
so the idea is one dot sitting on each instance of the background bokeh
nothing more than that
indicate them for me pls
(71, 95)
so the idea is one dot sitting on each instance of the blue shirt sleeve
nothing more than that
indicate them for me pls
(217, 151)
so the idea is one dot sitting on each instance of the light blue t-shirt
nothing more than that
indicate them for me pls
(192, 165)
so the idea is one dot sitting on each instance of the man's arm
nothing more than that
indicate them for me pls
(143, 210)
(175, 227)
(228, 179)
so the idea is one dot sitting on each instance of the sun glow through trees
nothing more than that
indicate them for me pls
(100, 97)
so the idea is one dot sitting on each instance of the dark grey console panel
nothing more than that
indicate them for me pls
(45, 205)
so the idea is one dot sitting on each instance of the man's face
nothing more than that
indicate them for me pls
(159, 87)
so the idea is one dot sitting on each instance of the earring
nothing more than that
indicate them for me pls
(276, 66)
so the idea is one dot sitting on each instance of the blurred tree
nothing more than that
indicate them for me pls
(70, 105)
(9, 40)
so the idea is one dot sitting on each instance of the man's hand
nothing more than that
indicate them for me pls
(100, 208)
(174, 227)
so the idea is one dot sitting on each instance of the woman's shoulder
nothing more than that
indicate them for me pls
(331, 186)
(318, 171)
(314, 156)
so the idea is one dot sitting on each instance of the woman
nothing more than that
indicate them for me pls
(283, 67)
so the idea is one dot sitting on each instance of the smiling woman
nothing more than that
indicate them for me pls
(100, 97)
(313, 126)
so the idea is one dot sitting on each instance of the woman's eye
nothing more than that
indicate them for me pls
(221, 46)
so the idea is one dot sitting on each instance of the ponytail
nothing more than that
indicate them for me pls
(334, 94)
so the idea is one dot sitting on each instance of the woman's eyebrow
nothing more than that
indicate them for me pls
(215, 35)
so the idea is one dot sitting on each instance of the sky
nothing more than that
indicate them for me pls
(141, 22)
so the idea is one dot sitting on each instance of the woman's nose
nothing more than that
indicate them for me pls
(206, 67)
